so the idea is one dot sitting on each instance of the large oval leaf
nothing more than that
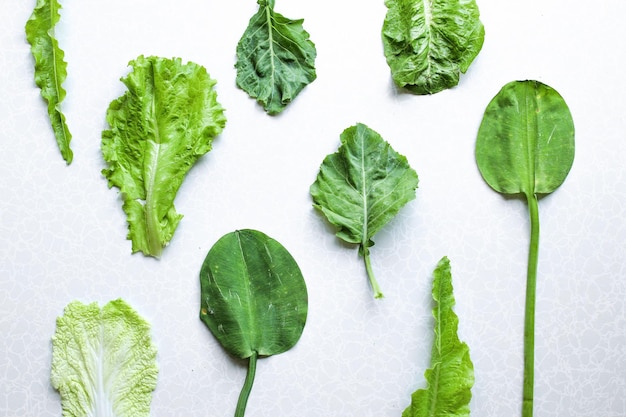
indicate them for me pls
(254, 298)
(525, 142)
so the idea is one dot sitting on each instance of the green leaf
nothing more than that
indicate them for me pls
(275, 58)
(361, 187)
(160, 127)
(253, 298)
(103, 361)
(50, 68)
(429, 43)
(525, 145)
(451, 374)
(525, 142)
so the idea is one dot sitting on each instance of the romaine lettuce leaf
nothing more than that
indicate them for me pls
(50, 68)
(429, 43)
(103, 361)
(451, 375)
(275, 58)
(159, 128)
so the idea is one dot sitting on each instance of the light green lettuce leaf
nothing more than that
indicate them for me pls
(429, 43)
(50, 68)
(275, 58)
(451, 375)
(160, 127)
(103, 361)
(361, 187)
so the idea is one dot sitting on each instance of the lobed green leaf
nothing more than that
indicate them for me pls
(275, 58)
(50, 68)
(160, 127)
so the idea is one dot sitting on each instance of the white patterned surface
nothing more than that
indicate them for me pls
(62, 231)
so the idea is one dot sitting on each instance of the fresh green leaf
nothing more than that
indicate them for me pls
(253, 299)
(50, 68)
(103, 361)
(275, 58)
(451, 374)
(525, 145)
(429, 43)
(361, 187)
(160, 127)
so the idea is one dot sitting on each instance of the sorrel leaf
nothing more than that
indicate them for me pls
(525, 145)
(451, 374)
(253, 299)
(103, 361)
(429, 43)
(361, 187)
(160, 127)
(50, 68)
(275, 58)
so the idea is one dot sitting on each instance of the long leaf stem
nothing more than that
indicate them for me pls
(529, 320)
(370, 274)
(247, 386)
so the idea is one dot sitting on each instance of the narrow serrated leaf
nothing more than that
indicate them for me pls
(50, 68)
(275, 58)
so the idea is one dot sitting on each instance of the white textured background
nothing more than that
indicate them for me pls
(62, 231)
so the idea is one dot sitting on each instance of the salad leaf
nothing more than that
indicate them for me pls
(525, 145)
(50, 68)
(103, 361)
(361, 187)
(451, 374)
(429, 43)
(253, 299)
(159, 128)
(275, 58)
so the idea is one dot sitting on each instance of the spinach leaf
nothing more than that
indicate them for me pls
(159, 128)
(275, 58)
(103, 361)
(429, 43)
(525, 145)
(451, 374)
(253, 299)
(361, 187)
(50, 68)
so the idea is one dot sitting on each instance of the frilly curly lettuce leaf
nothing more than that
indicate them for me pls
(275, 58)
(429, 43)
(103, 361)
(50, 68)
(159, 128)
(361, 187)
(451, 375)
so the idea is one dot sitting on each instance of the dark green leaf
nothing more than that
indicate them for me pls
(50, 68)
(429, 43)
(275, 58)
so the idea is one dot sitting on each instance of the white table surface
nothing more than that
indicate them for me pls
(62, 231)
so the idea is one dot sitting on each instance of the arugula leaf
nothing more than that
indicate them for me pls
(361, 187)
(103, 361)
(451, 374)
(275, 58)
(159, 128)
(50, 68)
(253, 299)
(525, 145)
(429, 43)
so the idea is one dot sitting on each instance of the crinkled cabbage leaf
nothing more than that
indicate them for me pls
(361, 187)
(159, 128)
(103, 361)
(429, 43)
(275, 58)
(451, 374)
(50, 68)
